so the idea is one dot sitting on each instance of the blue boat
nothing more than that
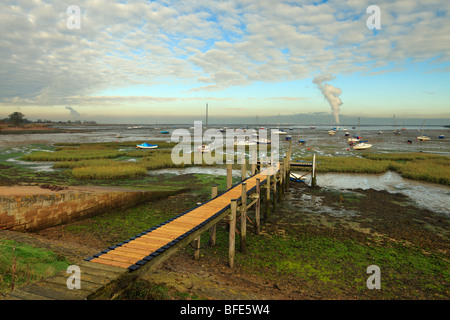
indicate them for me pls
(301, 141)
(164, 132)
(146, 145)
(441, 137)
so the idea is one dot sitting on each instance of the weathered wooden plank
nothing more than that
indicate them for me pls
(111, 262)
(23, 295)
(86, 283)
(56, 292)
(95, 269)
(115, 257)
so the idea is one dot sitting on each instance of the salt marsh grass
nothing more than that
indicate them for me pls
(72, 155)
(109, 172)
(417, 166)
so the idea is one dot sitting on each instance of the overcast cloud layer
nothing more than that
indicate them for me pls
(209, 45)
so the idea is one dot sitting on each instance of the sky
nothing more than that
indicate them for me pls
(162, 61)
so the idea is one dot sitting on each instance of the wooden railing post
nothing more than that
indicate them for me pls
(229, 175)
(196, 245)
(274, 192)
(289, 165)
(232, 233)
(212, 230)
(243, 217)
(313, 174)
(258, 207)
(243, 168)
(254, 161)
(268, 186)
(281, 183)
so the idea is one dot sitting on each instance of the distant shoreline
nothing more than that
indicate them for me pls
(30, 129)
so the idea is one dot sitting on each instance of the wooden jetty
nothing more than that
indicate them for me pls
(107, 273)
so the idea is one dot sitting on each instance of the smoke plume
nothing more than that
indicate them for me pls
(330, 93)
(73, 112)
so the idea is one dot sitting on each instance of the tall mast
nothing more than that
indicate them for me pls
(206, 127)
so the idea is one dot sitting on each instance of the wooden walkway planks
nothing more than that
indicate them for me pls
(109, 271)
(132, 253)
(94, 277)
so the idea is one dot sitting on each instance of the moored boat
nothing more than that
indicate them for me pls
(146, 145)
(203, 148)
(263, 141)
(423, 138)
(362, 146)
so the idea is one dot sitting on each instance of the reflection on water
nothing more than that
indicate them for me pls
(196, 170)
(427, 195)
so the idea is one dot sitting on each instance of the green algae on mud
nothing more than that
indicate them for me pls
(22, 264)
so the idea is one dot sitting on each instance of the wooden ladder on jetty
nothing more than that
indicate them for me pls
(108, 272)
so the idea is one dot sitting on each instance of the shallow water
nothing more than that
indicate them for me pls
(317, 140)
(430, 196)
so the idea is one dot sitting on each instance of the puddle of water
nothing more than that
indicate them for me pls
(196, 170)
(38, 167)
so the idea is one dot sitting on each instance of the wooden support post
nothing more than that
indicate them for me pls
(196, 245)
(289, 165)
(212, 230)
(280, 183)
(267, 203)
(313, 174)
(243, 168)
(232, 233)
(258, 207)
(254, 161)
(286, 175)
(243, 217)
(274, 192)
(229, 175)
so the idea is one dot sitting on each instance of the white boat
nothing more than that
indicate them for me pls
(353, 140)
(203, 148)
(423, 137)
(263, 141)
(279, 132)
(362, 146)
(146, 145)
(245, 142)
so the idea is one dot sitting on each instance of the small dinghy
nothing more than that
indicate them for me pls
(146, 145)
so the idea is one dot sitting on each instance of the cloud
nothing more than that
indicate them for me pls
(211, 47)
